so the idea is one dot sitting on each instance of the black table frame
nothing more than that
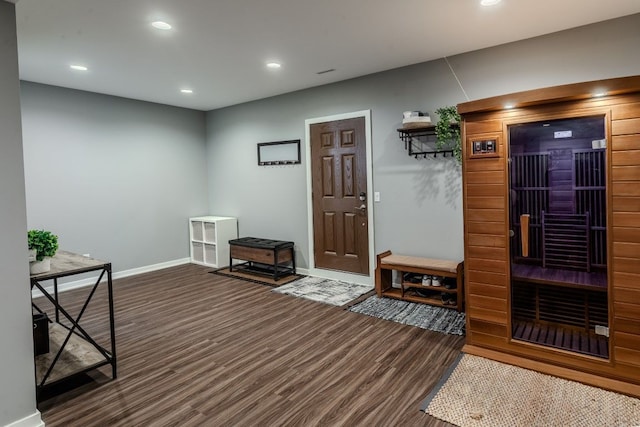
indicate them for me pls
(82, 265)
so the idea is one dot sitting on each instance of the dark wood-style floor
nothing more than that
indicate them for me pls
(198, 349)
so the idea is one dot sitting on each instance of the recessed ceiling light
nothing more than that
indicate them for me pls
(78, 67)
(274, 65)
(489, 2)
(186, 90)
(161, 25)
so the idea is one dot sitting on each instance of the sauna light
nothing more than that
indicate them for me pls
(508, 106)
(599, 94)
(161, 25)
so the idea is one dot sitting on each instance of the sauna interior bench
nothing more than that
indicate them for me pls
(388, 262)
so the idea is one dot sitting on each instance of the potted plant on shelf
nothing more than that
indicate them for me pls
(44, 244)
(448, 131)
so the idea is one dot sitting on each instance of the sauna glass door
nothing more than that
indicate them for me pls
(558, 234)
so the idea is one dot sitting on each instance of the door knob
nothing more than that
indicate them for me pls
(362, 207)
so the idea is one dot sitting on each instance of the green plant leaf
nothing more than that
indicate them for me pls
(448, 131)
(44, 242)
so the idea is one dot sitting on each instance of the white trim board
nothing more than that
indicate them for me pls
(331, 274)
(88, 281)
(33, 420)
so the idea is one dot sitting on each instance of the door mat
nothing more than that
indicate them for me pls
(328, 291)
(438, 319)
(479, 392)
(255, 278)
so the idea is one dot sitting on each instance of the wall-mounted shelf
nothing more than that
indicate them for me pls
(420, 142)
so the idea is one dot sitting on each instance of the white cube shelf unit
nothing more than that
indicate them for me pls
(209, 239)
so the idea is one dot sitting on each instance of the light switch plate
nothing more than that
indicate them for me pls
(376, 196)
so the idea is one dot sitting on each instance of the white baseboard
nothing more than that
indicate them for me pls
(33, 420)
(116, 275)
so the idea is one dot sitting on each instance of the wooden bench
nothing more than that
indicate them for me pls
(273, 258)
(388, 262)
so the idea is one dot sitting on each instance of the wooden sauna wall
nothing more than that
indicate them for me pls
(487, 271)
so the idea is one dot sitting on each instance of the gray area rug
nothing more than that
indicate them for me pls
(424, 316)
(328, 291)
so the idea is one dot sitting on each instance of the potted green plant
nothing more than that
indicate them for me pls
(44, 244)
(448, 131)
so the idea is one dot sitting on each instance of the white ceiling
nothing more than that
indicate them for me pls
(219, 48)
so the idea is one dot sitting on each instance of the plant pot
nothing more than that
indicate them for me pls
(38, 267)
(32, 255)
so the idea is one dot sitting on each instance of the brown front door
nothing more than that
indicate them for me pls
(339, 181)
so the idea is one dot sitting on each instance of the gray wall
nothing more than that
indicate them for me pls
(420, 212)
(113, 177)
(17, 391)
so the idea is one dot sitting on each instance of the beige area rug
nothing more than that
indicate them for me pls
(481, 392)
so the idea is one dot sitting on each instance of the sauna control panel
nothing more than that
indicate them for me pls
(483, 146)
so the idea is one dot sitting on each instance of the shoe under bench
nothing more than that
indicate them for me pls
(388, 262)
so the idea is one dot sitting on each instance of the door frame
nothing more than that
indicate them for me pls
(333, 274)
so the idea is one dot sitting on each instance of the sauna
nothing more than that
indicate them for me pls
(551, 190)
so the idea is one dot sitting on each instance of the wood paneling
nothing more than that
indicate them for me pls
(626, 142)
(197, 349)
(625, 126)
(485, 202)
(490, 265)
(551, 95)
(487, 315)
(626, 265)
(486, 240)
(487, 277)
(625, 158)
(484, 177)
(489, 328)
(627, 295)
(489, 303)
(626, 189)
(629, 311)
(626, 355)
(626, 234)
(489, 215)
(484, 126)
(626, 250)
(484, 190)
(625, 111)
(626, 280)
(485, 164)
(629, 326)
(625, 173)
(487, 290)
(625, 204)
(493, 228)
(486, 253)
(487, 340)
(627, 219)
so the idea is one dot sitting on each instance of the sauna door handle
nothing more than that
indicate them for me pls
(512, 233)
(524, 234)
